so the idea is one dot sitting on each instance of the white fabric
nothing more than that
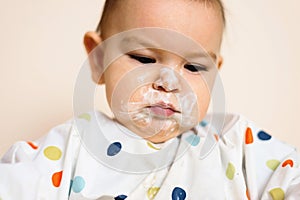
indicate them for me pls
(238, 164)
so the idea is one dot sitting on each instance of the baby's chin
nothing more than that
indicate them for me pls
(157, 123)
(154, 129)
(159, 130)
(162, 137)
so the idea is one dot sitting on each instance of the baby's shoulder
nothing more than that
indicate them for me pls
(58, 141)
(266, 161)
(51, 143)
(238, 129)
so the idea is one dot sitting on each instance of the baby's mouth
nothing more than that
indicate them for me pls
(162, 109)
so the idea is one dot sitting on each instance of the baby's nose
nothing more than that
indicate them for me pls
(168, 81)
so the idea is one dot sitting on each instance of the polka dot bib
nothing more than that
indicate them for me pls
(94, 157)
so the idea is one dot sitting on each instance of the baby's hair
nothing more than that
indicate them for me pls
(111, 4)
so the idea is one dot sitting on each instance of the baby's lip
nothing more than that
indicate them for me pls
(163, 109)
(165, 106)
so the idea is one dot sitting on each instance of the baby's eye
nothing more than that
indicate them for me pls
(143, 59)
(195, 68)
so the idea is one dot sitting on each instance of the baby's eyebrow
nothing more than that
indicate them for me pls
(133, 40)
(196, 54)
(213, 56)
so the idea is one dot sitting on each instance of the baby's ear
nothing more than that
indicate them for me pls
(91, 40)
(219, 62)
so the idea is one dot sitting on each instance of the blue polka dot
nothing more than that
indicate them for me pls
(114, 149)
(121, 197)
(178, 194)
(203, 123)
(78, 184)
(264, 136)
(193, 140)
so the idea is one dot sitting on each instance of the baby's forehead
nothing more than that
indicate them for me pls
(114, 7)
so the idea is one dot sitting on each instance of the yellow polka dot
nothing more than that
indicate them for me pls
(273, 164)
(85, 116)
(152, 146)
(277, 194)
(230, 171)
(52, 153)
(151, 193)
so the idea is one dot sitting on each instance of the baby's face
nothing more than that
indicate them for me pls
(164, 93)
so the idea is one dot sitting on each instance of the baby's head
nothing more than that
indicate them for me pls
(159, 93)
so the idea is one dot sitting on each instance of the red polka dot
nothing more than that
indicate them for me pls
(288, 162)
(248, 136)
(32, 145)
(56, 178)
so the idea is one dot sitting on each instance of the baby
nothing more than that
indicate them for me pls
(159, 62)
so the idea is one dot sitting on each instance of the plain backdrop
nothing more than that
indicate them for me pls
(42, 51)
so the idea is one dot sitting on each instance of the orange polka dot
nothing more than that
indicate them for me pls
(216, 137)
(248, 136)
(32, 145)
(288, 162)
(56, 178)
(248, 195)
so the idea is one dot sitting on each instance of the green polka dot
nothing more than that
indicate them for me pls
(230, 171)
(52, 153)
(273, 164)
(151, 193)
(277, 194)
(85, 116)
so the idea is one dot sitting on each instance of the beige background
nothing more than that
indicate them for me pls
(41, 52)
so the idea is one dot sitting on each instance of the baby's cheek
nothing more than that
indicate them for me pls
(203, 102)
(204, 108)
(137, 95)
(136, 98)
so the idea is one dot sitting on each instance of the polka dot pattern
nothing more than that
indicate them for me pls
(120, 197)
(216, 137)
(52, 153)
(248, 194)
(151, 192)
(149, 144)
(78, 184)
(230, 171)
(85, 116)
(203, 123)
(193, 140)
(56, 178)
(114, 149)
(33, 146)
(153, 187)
(273, 164)
(263, 135)
(178, 194)
(248, 136)
(277, 194)
(288, 162)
